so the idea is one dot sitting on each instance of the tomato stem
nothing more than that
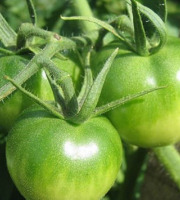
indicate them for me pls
(61, 79)
(48, 52)
(170, 158)
(82, 8)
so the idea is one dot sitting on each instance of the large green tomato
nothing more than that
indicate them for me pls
(49, 158)
(11, 107)
(152, 120)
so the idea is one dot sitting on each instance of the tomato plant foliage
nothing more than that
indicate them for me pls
(152, 120)
(49, 158)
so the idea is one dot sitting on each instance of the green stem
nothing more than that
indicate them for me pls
(32, 67)
(27, 30)
(56, 44)
(63, 79)
(135, 161)
(82, 8)
(170, 158)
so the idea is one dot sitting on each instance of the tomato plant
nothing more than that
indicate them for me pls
(154, 119)
(49, 158)
(64, 151)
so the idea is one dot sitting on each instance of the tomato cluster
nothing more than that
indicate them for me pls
(58, 152)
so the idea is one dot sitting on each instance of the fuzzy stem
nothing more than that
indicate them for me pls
(170, 158)
(27, 30)
(82, 8)
(32, 67)
(63, 79)
(56, 44)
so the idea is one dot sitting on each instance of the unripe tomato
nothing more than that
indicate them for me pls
(152, 120)
(50, 158)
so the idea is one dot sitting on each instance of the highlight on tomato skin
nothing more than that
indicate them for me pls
(49, 158)
(152, 120)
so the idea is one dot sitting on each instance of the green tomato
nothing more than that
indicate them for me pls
(152, 120)
(11, 107)
(49, 158)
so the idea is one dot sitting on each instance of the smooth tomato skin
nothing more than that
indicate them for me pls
(49, 158)
(152, 120)
(12, 106)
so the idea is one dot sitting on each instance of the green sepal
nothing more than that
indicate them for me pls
(114, 104)
(6, 51)
(101, 23)
(139, 32)
(7, 34)
(94, 92)
(32, 11)
(87, 82)
(158, 6)
(159, 26)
